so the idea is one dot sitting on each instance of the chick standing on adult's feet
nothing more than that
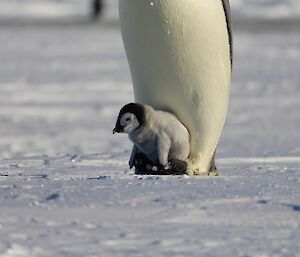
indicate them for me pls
(161, 142)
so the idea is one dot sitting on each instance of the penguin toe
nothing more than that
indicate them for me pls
(214, 173)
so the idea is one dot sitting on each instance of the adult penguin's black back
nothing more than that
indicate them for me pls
(226, 6)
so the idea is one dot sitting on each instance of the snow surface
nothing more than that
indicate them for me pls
(65, 187)
(266, 9)
(89, 205)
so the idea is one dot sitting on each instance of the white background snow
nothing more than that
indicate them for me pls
(65, 187)
(267, 9)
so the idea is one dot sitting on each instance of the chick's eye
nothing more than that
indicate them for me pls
(127, 119)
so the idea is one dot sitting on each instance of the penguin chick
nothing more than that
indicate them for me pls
(157, 134)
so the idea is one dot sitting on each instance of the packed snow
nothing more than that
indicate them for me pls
(65, 186)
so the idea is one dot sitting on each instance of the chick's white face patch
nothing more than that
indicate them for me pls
(129, 122)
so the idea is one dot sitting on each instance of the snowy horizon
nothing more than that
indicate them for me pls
(242, 9)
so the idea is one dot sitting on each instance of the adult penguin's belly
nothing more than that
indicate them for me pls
(179, 56)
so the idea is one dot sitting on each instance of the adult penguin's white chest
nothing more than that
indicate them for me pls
(179, 56)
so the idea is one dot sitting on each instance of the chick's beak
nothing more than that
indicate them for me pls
(117, 130)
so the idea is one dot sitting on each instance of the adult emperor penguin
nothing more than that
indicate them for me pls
(180, 58)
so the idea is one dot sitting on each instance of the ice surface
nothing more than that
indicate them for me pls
(65, 187)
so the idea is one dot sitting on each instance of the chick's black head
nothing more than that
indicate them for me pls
(136, 109)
